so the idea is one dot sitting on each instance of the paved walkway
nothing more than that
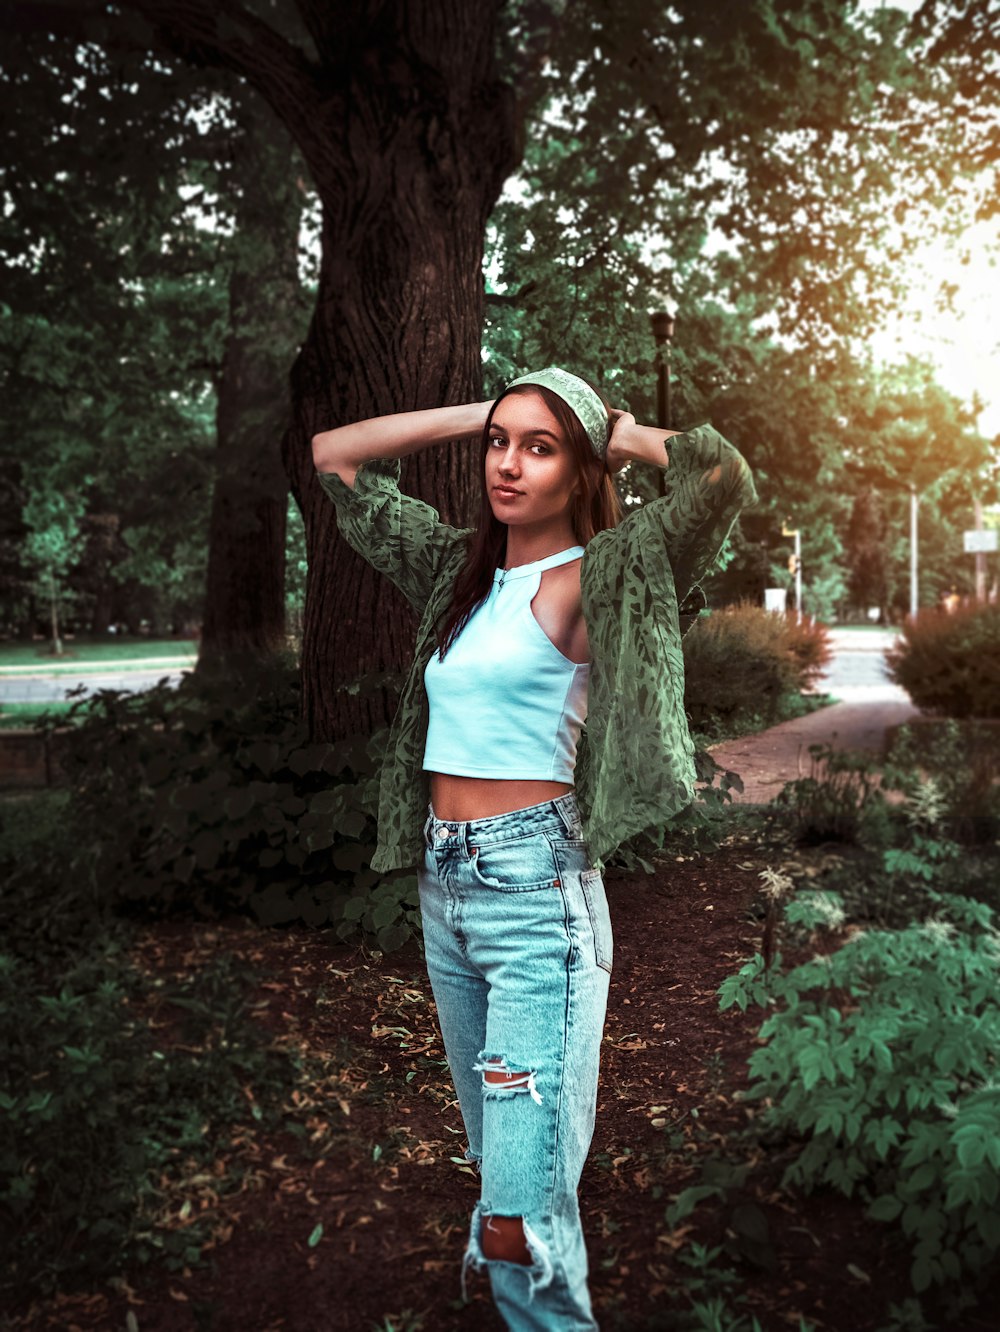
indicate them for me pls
(869, 704)
(50, 688)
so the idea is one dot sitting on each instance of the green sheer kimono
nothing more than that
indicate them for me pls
(635, 767)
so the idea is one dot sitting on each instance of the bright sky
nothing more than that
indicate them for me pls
(964, 344)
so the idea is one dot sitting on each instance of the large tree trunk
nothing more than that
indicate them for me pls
(244, 612)
(409, 131)
(425, 138)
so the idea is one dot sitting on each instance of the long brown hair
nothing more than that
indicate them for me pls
(596, 506)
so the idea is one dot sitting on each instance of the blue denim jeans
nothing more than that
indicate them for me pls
(518, 943)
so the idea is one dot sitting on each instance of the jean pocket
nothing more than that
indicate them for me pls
(600, 917)
(523, 865)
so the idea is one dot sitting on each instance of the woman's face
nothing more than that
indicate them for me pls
(531, 474)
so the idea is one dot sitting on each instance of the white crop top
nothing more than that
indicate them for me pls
(505, 702)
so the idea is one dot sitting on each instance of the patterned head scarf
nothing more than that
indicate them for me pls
(580, 397)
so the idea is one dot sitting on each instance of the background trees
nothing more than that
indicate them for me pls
(766, 166)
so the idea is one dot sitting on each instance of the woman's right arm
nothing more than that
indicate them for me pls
(344, 449)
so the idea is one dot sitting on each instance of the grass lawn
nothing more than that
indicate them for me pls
(20, 715)
(110, 651)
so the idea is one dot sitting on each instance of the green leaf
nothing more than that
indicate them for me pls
(315, 1235)
(885, 1208)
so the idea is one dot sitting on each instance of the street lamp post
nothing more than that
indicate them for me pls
(663, 332)
(914, 581)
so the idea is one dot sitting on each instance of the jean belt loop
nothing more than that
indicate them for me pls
(570, 821)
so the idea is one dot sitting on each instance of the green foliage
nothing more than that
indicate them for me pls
(840, 801)
(949, 662)
(212, 798)
(745, 661)
(881, 1055)
(868, 553)
(957, 766)
(97, 1123)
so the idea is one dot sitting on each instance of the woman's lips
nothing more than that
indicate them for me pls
(506, 492)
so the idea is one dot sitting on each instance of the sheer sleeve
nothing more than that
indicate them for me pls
(400, 536)
(707, 483)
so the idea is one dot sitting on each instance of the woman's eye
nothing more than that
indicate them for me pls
(495, 439)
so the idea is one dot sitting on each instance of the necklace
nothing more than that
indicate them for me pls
(500, 584)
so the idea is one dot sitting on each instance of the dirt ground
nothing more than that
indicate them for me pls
(360, 1222)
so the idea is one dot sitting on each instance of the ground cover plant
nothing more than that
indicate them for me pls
(877, 1068)
(212, 798)
(295, 1220)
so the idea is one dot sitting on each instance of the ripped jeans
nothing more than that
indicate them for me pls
(518, 943)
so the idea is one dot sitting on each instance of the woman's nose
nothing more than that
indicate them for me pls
(508, 463)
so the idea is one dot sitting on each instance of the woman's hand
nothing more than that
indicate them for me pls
(617, 455)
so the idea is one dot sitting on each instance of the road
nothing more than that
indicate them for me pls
(856, 674)
(18, 686)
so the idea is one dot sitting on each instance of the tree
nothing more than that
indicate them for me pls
(802, 132)
(408, 131)
(244, 615)
(53, 518)
(163, 166)
(868, 557)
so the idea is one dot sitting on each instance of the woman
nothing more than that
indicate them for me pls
(552, 610)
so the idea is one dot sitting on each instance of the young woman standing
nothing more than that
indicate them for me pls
(552, 610)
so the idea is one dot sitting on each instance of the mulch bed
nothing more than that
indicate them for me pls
(374, 1162)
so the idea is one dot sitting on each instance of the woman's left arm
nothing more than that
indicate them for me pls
(631, 442)
(706, 485)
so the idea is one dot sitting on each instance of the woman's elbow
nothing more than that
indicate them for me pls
(324, 451)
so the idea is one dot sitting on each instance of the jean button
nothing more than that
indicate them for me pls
(442, 831)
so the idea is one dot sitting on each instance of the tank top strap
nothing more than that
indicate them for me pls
(538, 566)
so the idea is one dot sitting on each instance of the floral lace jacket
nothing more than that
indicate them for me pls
(635, 765)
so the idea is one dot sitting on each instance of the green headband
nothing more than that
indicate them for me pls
(577, 394)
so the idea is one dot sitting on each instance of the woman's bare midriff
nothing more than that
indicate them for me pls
(459, 799)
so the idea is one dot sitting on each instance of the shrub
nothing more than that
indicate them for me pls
(745, 662)
(840, 800)
(98, 1122)
(882, 1055)
(949, 661)
(211, 798)
(962, 763)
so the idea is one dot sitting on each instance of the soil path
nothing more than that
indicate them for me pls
(373, 1157)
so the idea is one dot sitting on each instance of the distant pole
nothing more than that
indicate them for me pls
(980, 555)
(914, 584)
(795, 564)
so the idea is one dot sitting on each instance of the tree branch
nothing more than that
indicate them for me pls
(209, 33)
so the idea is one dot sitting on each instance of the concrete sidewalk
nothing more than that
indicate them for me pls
(52, 688)
(767, 761)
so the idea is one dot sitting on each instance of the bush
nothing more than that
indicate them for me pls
(961, 761)
(99, 1123)
(949, 661)
(744, 662)
(882, 1055)
(211, 798)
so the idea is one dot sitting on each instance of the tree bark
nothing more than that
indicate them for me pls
(244, 609)
(423, 137)
(409, 131)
